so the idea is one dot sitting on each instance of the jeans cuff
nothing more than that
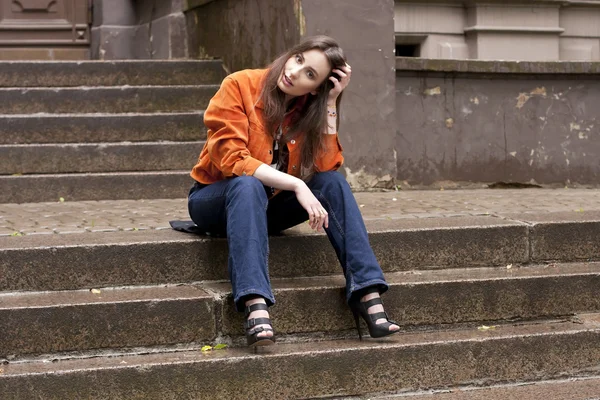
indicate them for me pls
(239, 298)
(380, 283)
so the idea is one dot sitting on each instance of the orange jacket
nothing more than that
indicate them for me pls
(237, 143)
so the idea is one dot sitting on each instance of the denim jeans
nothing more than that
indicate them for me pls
(239, 209)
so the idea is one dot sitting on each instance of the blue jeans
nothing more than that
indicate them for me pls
(239, 209)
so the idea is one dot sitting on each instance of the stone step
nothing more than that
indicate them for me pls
(95, 128)
(96, 186)
(411, 361)
(42, 262)
(119, 255)
(583, 388)
(101, 157)
(49, 322)
(124, 99)
(52, 322)
(110, 73)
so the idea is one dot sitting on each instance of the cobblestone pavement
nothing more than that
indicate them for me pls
(107, 216)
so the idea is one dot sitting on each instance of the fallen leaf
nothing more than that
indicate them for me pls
(362, 205)
(16, 234)
(206, 348)
(579, 210)
(394, 199)
(486, 328)
(96, 291)
(61, 199)
(509, 266)
(442, 189)
(220, 346)
(1, 371)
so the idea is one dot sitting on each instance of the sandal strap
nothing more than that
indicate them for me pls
(372, 302)
(255, 307)
(259, 329)
(256, 321)
(375, 316)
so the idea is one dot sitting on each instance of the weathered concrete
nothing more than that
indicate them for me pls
(432, 298)
(128, 29)
(101, 186)
(244, 34)
(106, 100)
(557, 236)
(94, 128)
(110, 73)
(572, 389)
(404, 362)
(43, 322)
(485, 126)
(104, 157)
(166, 256)
(82, 320)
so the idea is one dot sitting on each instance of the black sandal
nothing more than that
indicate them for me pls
(252, 332)
(361, 308)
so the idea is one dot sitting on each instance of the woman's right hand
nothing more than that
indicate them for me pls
(317, 215)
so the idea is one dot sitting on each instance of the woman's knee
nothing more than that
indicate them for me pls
(330, 180)
(247, 187)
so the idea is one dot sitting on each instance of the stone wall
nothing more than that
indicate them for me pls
(475, 121)
(139, 29)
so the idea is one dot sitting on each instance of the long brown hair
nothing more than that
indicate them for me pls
(313, 120)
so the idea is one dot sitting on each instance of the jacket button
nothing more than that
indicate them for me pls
(293, 167)
(292, 141)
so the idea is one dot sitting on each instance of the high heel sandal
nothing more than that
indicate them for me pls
(252, 331)
(362, 307)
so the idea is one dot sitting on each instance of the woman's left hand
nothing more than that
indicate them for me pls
(339, 85)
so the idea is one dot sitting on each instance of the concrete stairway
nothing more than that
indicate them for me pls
(101, 130)
(100, 300)
(486, 298)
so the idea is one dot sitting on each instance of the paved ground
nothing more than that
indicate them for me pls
(96, 216)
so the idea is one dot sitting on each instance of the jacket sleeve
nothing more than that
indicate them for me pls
(227, 124)
(330, 158)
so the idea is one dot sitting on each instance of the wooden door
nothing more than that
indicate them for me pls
(45, 29)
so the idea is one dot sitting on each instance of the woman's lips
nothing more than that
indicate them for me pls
(287, 81)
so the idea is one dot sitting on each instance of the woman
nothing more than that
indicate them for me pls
(268, 164)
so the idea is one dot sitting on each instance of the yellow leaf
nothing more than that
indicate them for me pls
(96, 291)
(220, 346)
(486, 328)
(16, 234)
(206, 348)
(579, 210)
(61, 199)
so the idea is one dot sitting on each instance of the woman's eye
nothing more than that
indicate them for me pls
(310, 74)
(298, 58)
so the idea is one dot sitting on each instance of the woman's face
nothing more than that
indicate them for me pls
(303, 73)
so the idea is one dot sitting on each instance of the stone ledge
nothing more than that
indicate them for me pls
(404, 64)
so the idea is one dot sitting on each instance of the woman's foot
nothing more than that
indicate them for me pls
(378, 308)
(259, 331)
(370, 308)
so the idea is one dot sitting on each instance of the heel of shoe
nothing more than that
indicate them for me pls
(356, 314)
